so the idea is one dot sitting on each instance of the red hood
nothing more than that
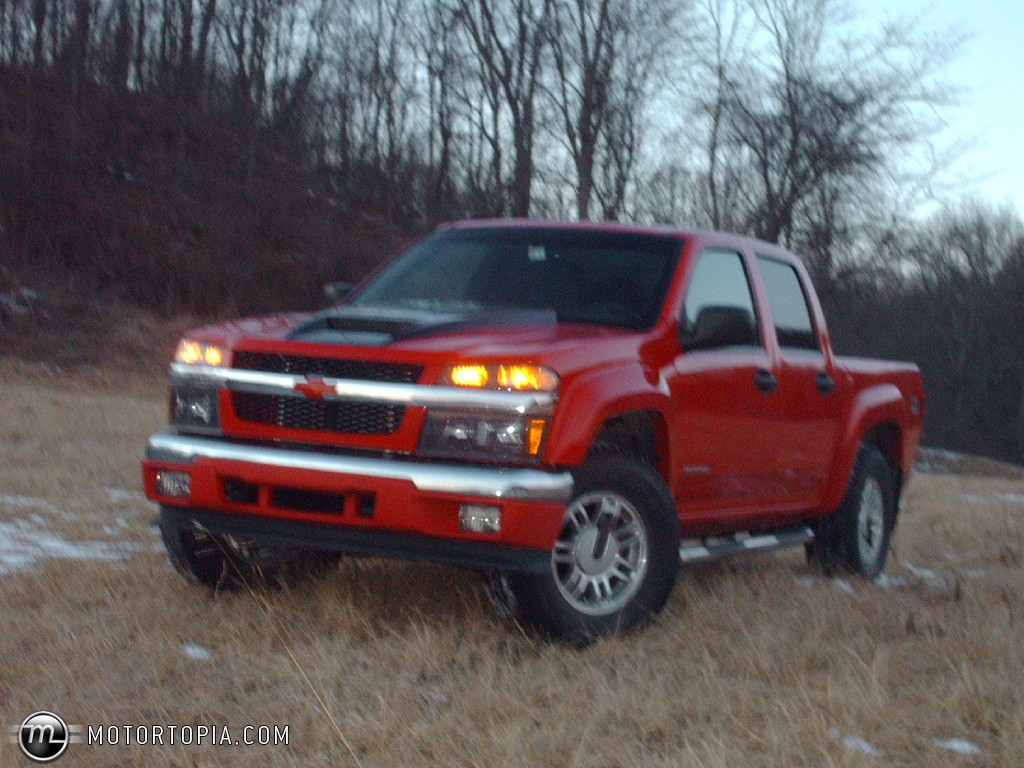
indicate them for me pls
(566, 348)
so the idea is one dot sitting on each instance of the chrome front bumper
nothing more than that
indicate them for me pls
(496, 483)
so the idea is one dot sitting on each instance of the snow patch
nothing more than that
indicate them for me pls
(121, 496)
(961, 746)
(941, 453)
(23, 543)
(844, 585)
(885, 581)
(855, 743)
(1002, 496)
(196, 652)
(924, 574)
(436, 698)
(935, 461)
(1010, 498)
(34, 502)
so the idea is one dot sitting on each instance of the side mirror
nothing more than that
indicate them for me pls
(719, 327)
(335, 292)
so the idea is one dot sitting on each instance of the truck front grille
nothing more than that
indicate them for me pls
(320, 415)
(361, 370)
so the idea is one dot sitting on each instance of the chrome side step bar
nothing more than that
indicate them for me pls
(717, 547)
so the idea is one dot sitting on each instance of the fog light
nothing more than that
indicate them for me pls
(192, 407)
(176, 484)
(480, 519)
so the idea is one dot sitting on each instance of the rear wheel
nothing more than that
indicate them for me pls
(856, 538)
(224, 562)
(614, 562)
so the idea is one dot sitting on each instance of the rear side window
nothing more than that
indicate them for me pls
(718, 280)
(790, 311)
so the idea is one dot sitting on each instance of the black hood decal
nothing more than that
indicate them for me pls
(380, 326)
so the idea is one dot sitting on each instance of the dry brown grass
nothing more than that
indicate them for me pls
(753, 663)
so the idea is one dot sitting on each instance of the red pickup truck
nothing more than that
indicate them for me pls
(571, 409)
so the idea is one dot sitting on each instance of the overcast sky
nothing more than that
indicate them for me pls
(990, 69)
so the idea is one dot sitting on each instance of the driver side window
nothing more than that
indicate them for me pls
(719, 280)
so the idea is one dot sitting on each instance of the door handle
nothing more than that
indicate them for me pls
(766, 381)
(824, 383)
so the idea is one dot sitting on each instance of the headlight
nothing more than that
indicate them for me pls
(197, 353)
(482, 436)
(515, 377)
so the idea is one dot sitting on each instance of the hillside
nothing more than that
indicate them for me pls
(167, 207)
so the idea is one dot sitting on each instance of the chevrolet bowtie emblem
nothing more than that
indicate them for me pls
(315, 388)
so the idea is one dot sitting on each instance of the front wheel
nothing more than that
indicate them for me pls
(856, 538)
(224, 562)
(614, 562)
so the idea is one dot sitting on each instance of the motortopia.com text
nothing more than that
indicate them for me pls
(187, 735)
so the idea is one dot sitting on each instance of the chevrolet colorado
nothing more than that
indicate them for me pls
(571, 409)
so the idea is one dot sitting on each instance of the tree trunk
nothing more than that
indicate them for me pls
(39, 20)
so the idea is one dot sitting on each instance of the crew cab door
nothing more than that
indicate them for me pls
(724, 395)
(810, 389)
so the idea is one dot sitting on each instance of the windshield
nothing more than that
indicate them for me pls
(604, 278)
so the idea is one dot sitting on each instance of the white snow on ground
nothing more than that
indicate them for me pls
(961, 746)
(34, 502)
(931, 460)
(196, 652)
(856, 743)
(922, 573)
(436, 698)
(24, 541)
(889, 581)
(926, 575)
(883, 580)
(1006, 498)
(886, 581)
(121, 496)
(844, 585)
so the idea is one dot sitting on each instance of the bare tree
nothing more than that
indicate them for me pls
(723, 44)
(438, 44)
(607, 54)
(814, 114)
(39, 12)
(509, 39)
(582, 39)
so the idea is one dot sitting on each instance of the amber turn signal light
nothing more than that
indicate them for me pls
(196, 353)
(516, 377)
(469, 375)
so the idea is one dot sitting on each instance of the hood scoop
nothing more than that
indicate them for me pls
(380, 326)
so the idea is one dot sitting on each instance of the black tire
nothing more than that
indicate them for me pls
(855, 539)
(614, 564)
(223, 563)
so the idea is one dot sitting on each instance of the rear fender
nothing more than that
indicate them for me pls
(880, 404)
